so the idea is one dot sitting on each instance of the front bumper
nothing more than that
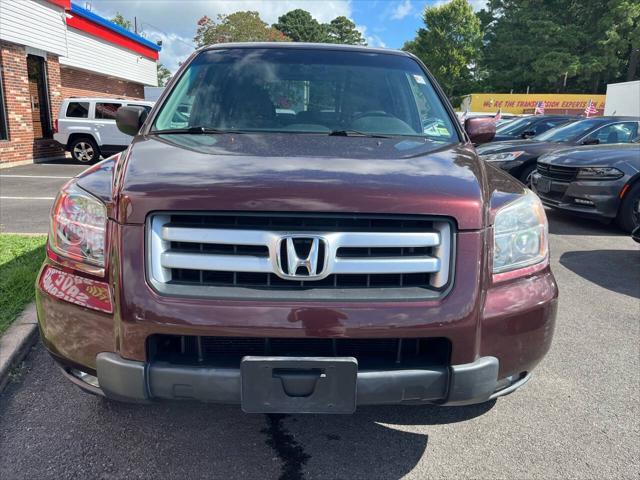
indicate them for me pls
(511, 321)
(133, 381)
(587, 198)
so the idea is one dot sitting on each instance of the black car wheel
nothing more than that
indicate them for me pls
(527, 173)
(629, 213)
(84, 150)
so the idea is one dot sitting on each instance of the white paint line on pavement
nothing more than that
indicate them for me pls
(32, 176)
(27, 198)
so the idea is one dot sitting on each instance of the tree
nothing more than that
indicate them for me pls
(119, 19)
(164, 74)
(571, 45)
(300, 26)
(342, 30)
(236, 27)
(449, 44)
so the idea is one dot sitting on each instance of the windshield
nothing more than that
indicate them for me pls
(306, 91)
(515, 126)
(568, 132)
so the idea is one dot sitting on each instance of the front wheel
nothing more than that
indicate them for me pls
(629, 213)
(84, 150)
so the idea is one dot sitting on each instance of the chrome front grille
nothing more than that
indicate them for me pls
(299, 256)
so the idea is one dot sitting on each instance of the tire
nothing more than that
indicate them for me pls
(525, 176)
(629, 214)
(84, 150)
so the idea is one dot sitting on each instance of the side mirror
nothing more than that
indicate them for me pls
(591, 141)
(130, 119)
(528, 134)
(480, 129)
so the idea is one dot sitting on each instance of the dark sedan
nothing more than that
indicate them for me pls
(527, 127)
(600, 181)
(518, 157)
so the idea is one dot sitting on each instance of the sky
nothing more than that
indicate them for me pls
(384, 23)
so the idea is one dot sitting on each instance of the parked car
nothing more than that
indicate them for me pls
(307, 264)
(86, 127)
(601, 181)
(518, 157)
(529, 126)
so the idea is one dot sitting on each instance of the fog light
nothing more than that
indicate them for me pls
(582, 201)
(85, 377)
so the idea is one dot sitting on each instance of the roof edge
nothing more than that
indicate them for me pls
(303, 45)
(82, 12)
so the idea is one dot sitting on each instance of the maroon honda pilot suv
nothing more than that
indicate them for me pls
(298, 228)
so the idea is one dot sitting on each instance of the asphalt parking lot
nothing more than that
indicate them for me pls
(578, 418)
(27, 192)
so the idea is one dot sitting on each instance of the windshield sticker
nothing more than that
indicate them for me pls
(420, 79)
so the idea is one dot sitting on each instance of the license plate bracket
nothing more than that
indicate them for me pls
(298, 384)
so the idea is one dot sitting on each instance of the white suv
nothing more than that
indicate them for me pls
(86, 126)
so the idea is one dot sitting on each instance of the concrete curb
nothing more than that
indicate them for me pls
(15, 343)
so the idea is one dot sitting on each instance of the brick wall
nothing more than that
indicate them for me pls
(79, 83)
(21, 144)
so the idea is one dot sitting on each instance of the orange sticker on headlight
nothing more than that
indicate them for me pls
(75, 289)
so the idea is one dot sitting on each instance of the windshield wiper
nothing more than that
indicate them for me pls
(355, 133)
(191, 131)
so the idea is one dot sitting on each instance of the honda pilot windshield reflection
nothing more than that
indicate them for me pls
(305, 91)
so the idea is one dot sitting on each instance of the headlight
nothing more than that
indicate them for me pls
(520, 234)
(599, 173)
(78, 226)
(501, 157)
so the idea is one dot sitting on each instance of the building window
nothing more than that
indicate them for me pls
(107, 111)
(4, 126)
(78, 110)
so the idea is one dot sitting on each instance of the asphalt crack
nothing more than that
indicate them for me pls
(291, 453)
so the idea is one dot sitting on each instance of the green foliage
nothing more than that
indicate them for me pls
(20, 260)
(449, 44)
(529, 43)
(534, 44)
(119, 19)
(300, 26)
(237, 27)
(164, 74)
(342, 30)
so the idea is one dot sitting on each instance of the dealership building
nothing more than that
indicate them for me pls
(55, 49)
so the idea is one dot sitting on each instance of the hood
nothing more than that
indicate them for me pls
(532, 148)
(301, 173)
(600, 155)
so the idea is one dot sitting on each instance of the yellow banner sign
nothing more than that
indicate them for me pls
(522, 103)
